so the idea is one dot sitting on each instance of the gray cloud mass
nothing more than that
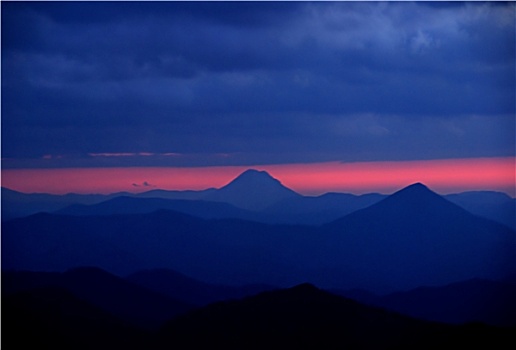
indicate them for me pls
(258, 82)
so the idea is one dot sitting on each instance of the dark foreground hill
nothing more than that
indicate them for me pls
(55, 318)
(181, 287)
(134, 305)
(476, 300)
(35, 309)
(306, 317)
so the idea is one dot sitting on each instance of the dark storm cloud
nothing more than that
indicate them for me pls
(260, 81)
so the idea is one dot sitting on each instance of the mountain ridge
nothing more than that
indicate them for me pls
(283, 207)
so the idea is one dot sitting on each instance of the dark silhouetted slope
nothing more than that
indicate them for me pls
(496, 206)
(476, 300)
(415, 237)
(181, 287)
(54, 318)
(127, 301)
(306, 317)
(299, 317)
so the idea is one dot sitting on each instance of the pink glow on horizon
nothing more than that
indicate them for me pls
(442, 176)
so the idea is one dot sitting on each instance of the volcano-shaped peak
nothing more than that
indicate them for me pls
(415, 189)
(417, 185)
(254, 177)
(304, 288)
(253, 190)
(256, 181)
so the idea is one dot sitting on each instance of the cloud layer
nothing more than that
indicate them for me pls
(255, 83)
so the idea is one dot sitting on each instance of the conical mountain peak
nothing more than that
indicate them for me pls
(253, 190)
(415, 196)
(415, 192)
(412, 203)
(255, 175)
(417, 186)
(415, 189)
(249, 172)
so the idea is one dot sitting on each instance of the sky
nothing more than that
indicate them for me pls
(130, 92)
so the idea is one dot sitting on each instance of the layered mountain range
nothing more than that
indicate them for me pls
(88, 308)
(253, 195)
(411, 238)
(162, 254)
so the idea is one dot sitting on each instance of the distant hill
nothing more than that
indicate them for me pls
(257, 195)
(218, 251)
(133, 205)
(496, 206)
(252, 190)
(291, 210)
(318, 210)
(17, 204)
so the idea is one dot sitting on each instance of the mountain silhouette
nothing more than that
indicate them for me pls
(299, 317)
(496, 206)
(181, 287)
(280, 208)
(416, 237)
(55, 318)
(305, 210)
(307, 317)
(410, 239)
(490, 302)
(17, 204)
(228, 251)
(475, 300)
(129, 302)
(320, 209)
(134, 205)
(252, 190)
